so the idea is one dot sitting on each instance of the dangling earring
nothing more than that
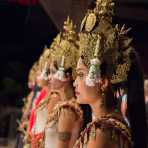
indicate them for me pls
(103, 101)
(60, 74)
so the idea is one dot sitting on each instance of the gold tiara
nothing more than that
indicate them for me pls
(66, 45)
(32, 72)
(115, 45)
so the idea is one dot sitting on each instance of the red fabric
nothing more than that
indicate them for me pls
(24, 2)
(37, 101)
(36, 139)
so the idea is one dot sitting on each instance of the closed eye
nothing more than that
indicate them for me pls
(52, 71)
(81, 75)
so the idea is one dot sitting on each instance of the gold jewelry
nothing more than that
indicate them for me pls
(67, 46)
(60, 74)
(64, 136)
(90, 22)
(103, 100)
(114, 46)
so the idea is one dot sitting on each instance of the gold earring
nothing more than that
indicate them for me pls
(103, 97)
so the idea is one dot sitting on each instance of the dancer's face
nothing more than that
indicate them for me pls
(146, 87)
(54, 83)
(84, 93)
(40, 81)
(31, 84)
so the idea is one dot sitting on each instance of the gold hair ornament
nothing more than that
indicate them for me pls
(44, 74)
(114, 44)
(94, 70)
(66, 47)
(60, 74)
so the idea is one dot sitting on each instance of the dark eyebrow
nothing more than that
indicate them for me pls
(80, 69)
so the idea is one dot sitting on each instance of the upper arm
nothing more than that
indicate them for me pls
(66, 124)
(97, 142)
(66, 120)
(102, 140)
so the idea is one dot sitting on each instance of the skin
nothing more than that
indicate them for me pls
(93, 97)
(31, 85)
(40, 81)
(146, 90)
(66, 122)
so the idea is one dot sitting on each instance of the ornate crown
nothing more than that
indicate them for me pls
(66, 46)
(32, 72)
(114, 44)
(44, 57)
(43, 62)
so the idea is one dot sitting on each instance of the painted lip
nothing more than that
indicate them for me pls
(77, 93)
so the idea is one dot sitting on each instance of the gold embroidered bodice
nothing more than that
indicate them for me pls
(114, 128)
(70, 105)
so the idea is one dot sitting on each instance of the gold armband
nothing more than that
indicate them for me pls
(64, 136)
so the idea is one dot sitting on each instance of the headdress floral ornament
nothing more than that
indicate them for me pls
(65, 50)
(44, 62)
(32, 72)
(44, 74)
(114, 45)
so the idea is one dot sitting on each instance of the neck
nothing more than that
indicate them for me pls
(69, 91)
(97, 109)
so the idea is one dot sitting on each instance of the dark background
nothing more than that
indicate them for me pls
(26, 27)
(24, 30)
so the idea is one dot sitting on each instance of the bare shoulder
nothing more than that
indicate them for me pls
(101, 140)
(70, 110)
(67, 119)
(70, 114)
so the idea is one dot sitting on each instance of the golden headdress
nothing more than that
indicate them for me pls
(44, 57)
(43, 63)
(100, 39)
(65, 47)
(32, 72)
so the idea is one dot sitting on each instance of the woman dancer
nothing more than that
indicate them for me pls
(106, 59)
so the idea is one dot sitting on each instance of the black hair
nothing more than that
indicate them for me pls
(145, 77)
(110, 98)
(136, 104)
(68, 71)
(135, 100)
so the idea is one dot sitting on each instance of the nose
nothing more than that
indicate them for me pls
(49, 77)
(75, 83)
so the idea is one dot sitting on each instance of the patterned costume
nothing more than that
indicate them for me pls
(38, 119)
(65, 48)
(51, 133)
(114, 129)
(105, 50)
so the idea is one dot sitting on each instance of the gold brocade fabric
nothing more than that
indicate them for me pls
(37, 141)
(112, 127)
(70, 105)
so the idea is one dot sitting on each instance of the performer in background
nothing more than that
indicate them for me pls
(26, 108)
(121, 94)
(35, 120)
(64, 113)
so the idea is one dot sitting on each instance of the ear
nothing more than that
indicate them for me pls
(104, 83)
